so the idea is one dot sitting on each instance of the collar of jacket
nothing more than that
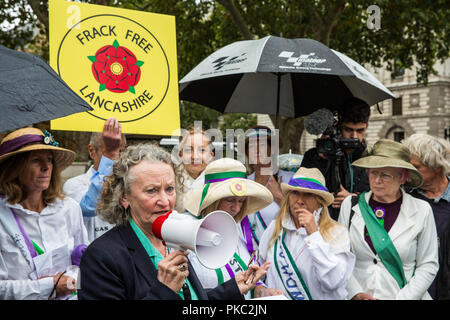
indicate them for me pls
(404, 222)
(146, 267)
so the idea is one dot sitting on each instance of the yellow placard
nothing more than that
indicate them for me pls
(122, 62)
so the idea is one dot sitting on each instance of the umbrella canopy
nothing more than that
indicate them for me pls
(279, 76)
(290, 161)
(31, 92)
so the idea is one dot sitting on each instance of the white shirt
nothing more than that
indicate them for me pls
(58, 224)
(270, 212)
(190, 183)
(78, 186)
(325, 268)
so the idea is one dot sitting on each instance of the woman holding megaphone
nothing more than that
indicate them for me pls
(227, 189)
(129, 262)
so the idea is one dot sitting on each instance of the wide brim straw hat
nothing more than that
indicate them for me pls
(30, 139)
(308, 180)
(227, 178)
(389, 153)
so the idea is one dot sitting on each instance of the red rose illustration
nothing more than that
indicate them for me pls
(116, 68)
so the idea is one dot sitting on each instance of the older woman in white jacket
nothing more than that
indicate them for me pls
(392, 234)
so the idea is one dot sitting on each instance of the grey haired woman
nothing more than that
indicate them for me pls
(129, 262)
(431, 157)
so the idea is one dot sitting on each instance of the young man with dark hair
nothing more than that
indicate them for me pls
(353, 123)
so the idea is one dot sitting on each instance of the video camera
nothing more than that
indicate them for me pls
(325, 122)
(335, 145)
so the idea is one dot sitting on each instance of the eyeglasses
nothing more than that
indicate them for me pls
(385, 177)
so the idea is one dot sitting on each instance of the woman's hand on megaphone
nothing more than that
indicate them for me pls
(247, 280)
(169, 271)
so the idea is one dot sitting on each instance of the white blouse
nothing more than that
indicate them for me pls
(325, 268)
(58, 224)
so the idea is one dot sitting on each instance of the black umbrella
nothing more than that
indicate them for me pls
(279, 76)
(31, 92)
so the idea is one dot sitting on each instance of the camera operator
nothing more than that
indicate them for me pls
(353, 123)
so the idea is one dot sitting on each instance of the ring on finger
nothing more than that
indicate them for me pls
(182, 267)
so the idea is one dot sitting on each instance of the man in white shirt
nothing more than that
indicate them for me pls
(78, 186)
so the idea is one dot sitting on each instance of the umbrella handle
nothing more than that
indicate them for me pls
(277, 123)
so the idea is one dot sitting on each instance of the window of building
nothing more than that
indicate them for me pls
(399, 136)
(397, 108)
(396, 133)
(414, 100)
(399, 70)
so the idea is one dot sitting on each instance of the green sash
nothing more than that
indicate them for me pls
(38, 249)
(288, 271)
(230, 271)
(382, 243)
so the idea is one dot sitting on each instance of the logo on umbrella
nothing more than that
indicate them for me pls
(223, 61)
(116, 68)
(303, 60)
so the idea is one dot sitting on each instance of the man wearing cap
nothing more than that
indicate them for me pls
(262, 152)
(393, 234)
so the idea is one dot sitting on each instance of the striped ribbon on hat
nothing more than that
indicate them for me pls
(217, 177)
(308, 183)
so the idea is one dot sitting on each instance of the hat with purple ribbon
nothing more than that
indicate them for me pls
(308, 180)
(29, 139)
(227, 178)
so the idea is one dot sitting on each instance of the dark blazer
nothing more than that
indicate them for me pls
(440, 287)
(116, 267)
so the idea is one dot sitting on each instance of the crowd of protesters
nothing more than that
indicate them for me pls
(385, 234)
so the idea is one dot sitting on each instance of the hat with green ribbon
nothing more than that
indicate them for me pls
(308, 180)
(227, 178)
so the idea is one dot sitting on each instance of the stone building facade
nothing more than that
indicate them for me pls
(417, 109)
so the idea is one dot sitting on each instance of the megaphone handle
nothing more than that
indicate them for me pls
(174, 246)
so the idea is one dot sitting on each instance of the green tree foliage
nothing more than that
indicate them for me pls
(411, 33)
(191, 112)
(17, 23)
(235, 121)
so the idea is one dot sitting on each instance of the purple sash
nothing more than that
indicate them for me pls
(25, 236)
(246, 229)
